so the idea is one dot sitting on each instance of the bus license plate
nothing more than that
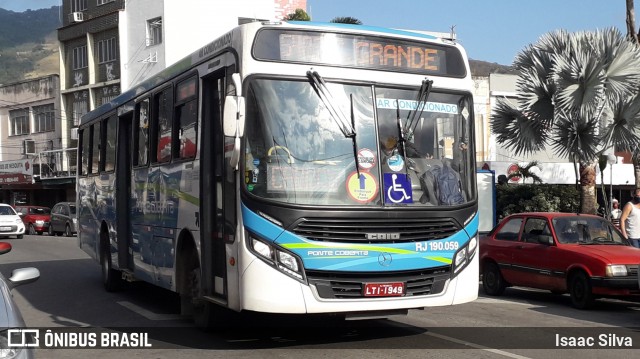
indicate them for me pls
(384, 289)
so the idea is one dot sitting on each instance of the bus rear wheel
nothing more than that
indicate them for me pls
(111, 278)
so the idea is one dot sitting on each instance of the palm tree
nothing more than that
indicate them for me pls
(346, 20)
(634, 37)
(576, 92)
(298, 15)
(526, 171)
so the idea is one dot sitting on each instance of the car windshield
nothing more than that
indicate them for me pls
(39, 211)
(7, 211)
(586, 230)
(72, 209)
(297, 152)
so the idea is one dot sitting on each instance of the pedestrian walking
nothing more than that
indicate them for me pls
(630, 219)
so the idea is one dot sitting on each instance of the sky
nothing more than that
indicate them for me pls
(490, 30)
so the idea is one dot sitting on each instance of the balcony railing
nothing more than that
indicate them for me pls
(55, 164)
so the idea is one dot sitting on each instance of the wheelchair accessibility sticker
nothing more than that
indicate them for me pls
(397, 188)
(364, 188)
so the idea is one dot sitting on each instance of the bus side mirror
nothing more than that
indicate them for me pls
(234, 116)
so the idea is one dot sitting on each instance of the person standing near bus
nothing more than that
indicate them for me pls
(630, 220)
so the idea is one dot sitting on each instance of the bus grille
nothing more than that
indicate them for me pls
(356, 230)
(331, 285)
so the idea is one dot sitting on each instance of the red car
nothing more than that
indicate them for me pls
(36, 219)
(581, 254)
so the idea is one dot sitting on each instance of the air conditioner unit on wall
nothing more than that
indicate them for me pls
(29, 147)
(74, 133)
(76, 17)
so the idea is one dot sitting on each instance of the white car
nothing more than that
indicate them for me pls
(10, 222)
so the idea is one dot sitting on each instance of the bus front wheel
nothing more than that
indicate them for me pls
(206, 315)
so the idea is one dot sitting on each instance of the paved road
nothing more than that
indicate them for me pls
(69, 295)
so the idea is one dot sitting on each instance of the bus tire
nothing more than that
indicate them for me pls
(111, 278)
(206, 315)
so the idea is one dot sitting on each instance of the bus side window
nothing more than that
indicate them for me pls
(95, 148)
(141, 134)
(162, 117)
(84, 165)
(186, 117)
(110, 143)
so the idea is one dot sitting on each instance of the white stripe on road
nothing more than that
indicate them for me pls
(501, 301)
(476, 346)
(147, 313)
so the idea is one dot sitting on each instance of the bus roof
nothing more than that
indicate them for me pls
(187, 62)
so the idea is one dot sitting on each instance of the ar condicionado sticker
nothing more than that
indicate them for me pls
(362, 189)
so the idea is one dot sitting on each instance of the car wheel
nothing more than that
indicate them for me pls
(67, 231)
(20, 236)
(492, 281)
(580, 290)
(32, 231)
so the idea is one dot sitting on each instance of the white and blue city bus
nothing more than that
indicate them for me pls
(290, 168)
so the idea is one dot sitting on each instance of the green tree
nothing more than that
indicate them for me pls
(346, 20)
(298, 15)
(578, 93)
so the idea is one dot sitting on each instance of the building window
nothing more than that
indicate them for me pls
(78, 5)
(107, 50)
(80, 106)
(154, 31)
(19, 122)
(80, 57)
(44, 118)
(102, 2)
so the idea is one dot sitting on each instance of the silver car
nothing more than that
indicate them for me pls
(63, 219)
(10, 317)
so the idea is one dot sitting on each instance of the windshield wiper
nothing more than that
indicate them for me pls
(348, 128)
(406, 132)
(413, 116)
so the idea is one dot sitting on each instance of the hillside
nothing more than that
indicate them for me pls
(483, 68)
(28, 51)
(28, 44)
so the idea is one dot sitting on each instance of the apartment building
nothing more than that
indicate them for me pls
(33, 167)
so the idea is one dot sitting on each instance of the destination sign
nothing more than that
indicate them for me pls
(359, 51)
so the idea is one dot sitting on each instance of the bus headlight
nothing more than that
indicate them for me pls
(286, 262)
(464, 256)
(262, 249)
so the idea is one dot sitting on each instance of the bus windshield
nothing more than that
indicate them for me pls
(296, 153)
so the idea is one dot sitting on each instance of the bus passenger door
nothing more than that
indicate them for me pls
(212, 167)
(123, 191)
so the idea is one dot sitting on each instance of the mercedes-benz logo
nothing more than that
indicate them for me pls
(384, 259)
